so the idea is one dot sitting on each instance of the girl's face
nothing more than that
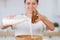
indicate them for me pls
(31, 5)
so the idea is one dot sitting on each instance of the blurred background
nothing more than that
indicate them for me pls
(49, 8)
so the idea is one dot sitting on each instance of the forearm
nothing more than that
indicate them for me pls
(48, 24)
(4, 27)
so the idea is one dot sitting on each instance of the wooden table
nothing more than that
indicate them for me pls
(51, 33)
(28, 37)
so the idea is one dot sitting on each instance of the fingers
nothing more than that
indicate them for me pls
(35, 10)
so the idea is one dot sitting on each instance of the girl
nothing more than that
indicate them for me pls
(38, 21)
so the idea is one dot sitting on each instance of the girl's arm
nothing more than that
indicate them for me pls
(46, 22)
(4, 27)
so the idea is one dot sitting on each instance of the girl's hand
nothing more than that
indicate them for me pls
(4, 27)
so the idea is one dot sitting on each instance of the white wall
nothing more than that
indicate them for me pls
(46, 7)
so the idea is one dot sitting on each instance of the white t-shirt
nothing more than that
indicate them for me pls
(28, 28)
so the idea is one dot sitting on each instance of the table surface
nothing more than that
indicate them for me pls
(45, 33)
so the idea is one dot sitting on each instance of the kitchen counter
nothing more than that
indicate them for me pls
(47, 36)
(45, 33)
(51, 33)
